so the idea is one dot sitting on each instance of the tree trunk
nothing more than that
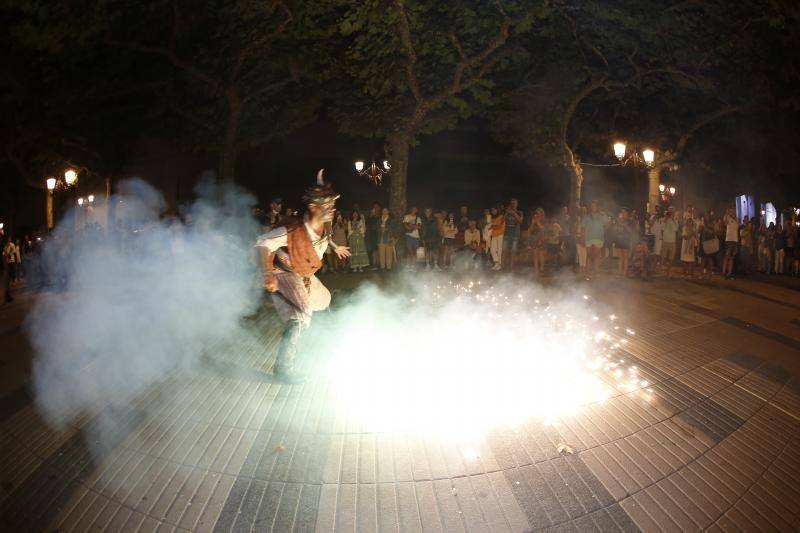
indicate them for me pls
(229, 152)
(399, 148)
(575, 185)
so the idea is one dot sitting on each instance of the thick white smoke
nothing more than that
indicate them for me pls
(141, 299)
(454, 358)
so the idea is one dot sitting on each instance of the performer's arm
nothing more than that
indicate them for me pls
(342, 252)
(267, 264)
(268, 244)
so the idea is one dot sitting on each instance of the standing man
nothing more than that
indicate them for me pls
(731, 242)
(463, 224)
(656, 229)
(498, 229)
(472, 245)
(299, 248)
(565, 236)
(412, 224)
(513, 219)
(669, 232)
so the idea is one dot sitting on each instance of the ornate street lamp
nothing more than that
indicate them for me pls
(646, 158)
(53, 184)
(667, 192)
(373, 172)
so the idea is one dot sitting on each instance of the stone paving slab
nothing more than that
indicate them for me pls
(710, 441)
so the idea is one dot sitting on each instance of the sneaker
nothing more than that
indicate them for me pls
(497, 267)
(437, 268)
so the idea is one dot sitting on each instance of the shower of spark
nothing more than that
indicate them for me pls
(456, 359)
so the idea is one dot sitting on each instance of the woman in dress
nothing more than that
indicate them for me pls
(339, 236)
(536, 240)
(356, 230)
(449, 232)
(689, 247)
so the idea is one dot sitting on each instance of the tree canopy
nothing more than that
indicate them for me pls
(557, 80)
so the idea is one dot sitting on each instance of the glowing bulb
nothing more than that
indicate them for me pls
(619, 150)
(80, 201)
(51, 184)
(91, 198)
(672, 191)
(70, 176)
(386, 165)
(662, 187)
(649, 156)
(359, 166)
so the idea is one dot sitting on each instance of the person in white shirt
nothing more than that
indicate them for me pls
(472, 245)
(656, 228)
(669, 232)
(731, 242)
(296, 291)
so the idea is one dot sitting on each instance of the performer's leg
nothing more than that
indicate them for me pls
(284, 364)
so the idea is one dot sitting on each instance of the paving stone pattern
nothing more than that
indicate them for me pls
(710, 443)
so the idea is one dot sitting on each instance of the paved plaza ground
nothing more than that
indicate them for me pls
(710, 441)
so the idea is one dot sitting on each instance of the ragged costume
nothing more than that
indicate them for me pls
(291, 256)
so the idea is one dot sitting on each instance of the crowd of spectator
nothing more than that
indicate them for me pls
(504, 237)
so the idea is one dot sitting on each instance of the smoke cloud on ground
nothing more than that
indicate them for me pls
(142, 299)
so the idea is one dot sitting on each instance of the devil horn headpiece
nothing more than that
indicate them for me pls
(321, 193)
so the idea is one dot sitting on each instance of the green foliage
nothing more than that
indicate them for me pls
(664, 66)
(374, 96)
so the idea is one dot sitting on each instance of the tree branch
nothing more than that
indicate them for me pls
(170, 52)
(404, 32)
(700, 123)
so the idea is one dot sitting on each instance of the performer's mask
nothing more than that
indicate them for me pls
(324, 211)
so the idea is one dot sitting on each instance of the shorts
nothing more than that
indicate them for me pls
(668, 251)
(731, 248)
(510, 243)
(597, 243)
(553, 249)
(449, 242)
(412, 243)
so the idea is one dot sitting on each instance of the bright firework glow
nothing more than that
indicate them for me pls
(455, 360)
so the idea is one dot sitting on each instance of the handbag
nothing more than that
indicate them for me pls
(711, 246)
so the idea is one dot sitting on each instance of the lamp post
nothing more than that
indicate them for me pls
(666, 192)
(373, 172)
(70, 179)
(644, 158)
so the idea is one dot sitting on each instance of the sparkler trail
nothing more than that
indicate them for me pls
(455, 359)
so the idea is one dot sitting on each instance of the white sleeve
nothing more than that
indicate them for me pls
(273, 239)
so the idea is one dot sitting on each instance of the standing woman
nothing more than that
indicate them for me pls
(357, 229)
(449, 231)
(709, 247)
(622, 239)
(339, 235)
(386, 237)
(498, 229)
(688, 247)
(580, 241)
(536, 238)
(371, 236)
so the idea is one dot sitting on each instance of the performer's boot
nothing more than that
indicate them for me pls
(284, 363)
